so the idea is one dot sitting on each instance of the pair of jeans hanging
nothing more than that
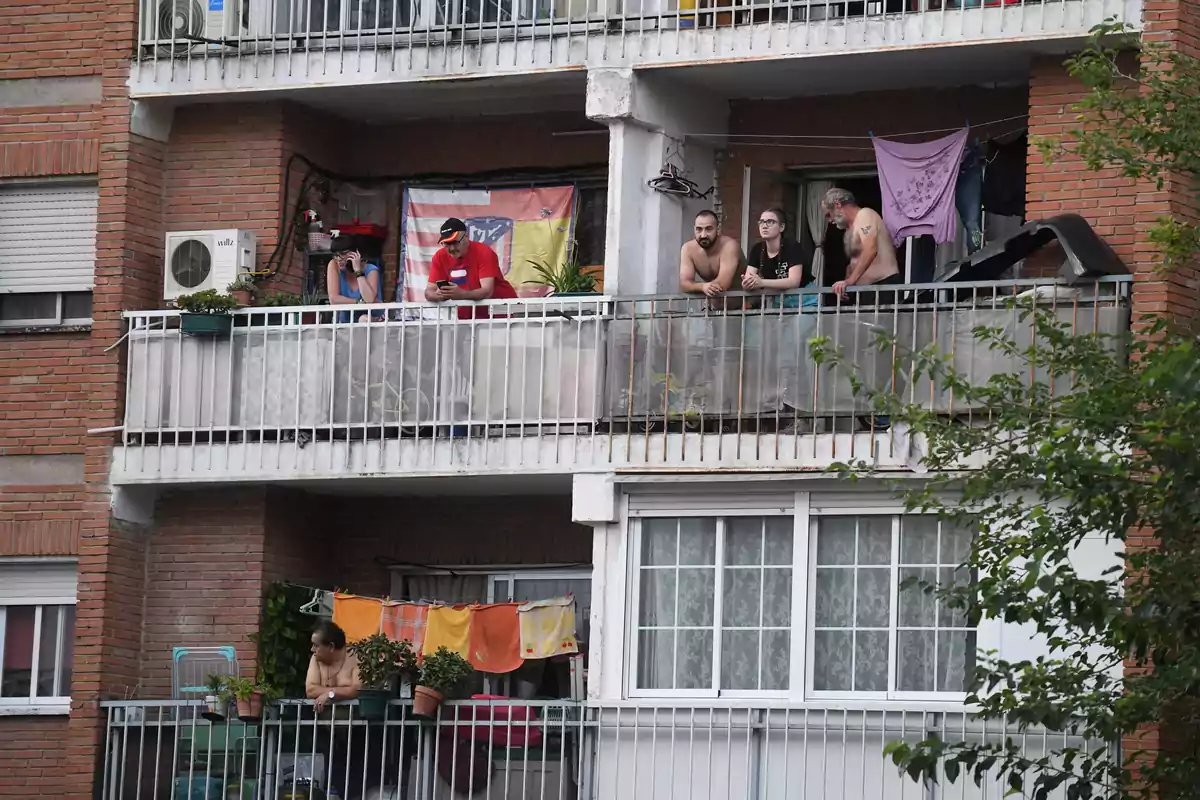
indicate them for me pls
(968, 197)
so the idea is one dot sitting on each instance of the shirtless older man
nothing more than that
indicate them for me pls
(710, 263)
(872, 256)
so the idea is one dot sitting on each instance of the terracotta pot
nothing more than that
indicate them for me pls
(426, 701)
(250, 708)
(243, 297)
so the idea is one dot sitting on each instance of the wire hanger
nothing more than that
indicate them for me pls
(669, 181)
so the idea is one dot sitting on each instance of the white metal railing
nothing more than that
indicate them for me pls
(550, 750)
(556, 384)
(288, 38)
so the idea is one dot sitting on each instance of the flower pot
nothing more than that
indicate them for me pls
(244, 297)
(426, 701)
(214, 709)
(206, 324)
(372, 703)
(250, 709)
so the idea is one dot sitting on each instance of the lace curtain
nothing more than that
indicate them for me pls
(814, 217)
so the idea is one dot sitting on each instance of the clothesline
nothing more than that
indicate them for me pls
(852, 138)
(850, 148)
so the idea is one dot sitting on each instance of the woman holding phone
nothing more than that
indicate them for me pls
(351, 279)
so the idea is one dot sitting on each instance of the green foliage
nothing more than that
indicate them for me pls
(568, 277)
(1144, 122)
(243, 284)
(444, 671)
(283, 640)
(281, 299)
(381, 659)
(209, 301)
(238, 688)
(216, 684)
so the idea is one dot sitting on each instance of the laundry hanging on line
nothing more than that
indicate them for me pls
(918, 183)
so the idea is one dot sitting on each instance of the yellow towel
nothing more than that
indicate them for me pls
(547, 628)
(359, 617)
(449, 627)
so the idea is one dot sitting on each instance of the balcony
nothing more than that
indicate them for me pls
(552, 750)
(256, 45)
(558, 385)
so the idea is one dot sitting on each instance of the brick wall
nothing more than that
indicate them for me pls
(51, 39)
(30, 756)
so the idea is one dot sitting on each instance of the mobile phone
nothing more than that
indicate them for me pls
(444, 284)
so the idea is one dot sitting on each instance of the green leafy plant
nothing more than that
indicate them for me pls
(242, 284)
(565, 278)
(283, 639)
(209, 301)
(239, 688)
(381, 660)
(282, 299)
(444, 671)
(216, 685)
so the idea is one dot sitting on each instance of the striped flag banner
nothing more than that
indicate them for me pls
(519, 224)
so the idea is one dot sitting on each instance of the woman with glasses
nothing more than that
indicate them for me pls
(777, 263)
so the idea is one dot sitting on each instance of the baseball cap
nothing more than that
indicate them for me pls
(452, 230)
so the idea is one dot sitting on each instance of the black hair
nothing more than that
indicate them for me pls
(370, 247)
(331, 633)
(708, 212)
(780, 215)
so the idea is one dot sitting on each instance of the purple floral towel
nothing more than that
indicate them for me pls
(918, 183)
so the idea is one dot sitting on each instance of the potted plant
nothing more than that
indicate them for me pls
(441, 673)
(215, 700)
(566, 279)
(242, 290)
(380, 662)
(205, 313)
(246, 696)
(282, 300)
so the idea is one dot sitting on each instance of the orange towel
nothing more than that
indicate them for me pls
(359, 617)
(405, 622)
(495, 639)
(449, 627)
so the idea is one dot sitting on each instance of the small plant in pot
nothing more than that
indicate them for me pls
(205, 313)
(568, 278)
(380, 662)
(216, 701)
(282, 300)
(247, 696)
(441, 674)
(242, 290)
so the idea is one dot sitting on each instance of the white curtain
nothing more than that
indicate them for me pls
(814, 217)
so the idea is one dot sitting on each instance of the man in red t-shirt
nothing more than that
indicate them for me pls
(465, 270)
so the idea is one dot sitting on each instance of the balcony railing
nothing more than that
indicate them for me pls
(549, 750)
(293, 41)
(558, 384)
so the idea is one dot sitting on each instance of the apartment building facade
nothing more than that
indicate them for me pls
(155, 484)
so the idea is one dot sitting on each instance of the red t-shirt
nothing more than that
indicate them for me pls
(478, 262)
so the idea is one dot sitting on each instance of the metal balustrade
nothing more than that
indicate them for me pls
(555, 385)
(549, 750)
(242, 43)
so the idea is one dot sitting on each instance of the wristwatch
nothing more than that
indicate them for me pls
(331, 697)
(359, 274)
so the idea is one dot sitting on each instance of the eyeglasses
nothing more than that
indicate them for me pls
(766, 223)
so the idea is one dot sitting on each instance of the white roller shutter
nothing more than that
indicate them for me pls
(48, 237)
(51, 583)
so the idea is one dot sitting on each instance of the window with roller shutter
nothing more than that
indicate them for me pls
(47, 252)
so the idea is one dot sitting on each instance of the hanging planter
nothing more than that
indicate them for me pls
(206, 313)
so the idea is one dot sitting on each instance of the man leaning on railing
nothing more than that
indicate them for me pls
(465, 270)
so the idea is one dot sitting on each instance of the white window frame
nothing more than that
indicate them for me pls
(892, 693)
(57, 319)
(633, 604)
(59, 703)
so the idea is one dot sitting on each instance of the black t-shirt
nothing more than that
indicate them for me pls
(790, 254)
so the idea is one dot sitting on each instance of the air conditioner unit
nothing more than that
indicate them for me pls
(178, 27)
(198, 260)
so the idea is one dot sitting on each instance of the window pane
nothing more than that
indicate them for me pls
(917, 609)
(656, 659)
(657, 597)
(779, 539)
(918, 540)
(870, 661)
(915, 662)
(693, 668)
(776, 659)
(77, 305)
(874, 604)
(68, 651)
(739, 659)
(834, 598)
(697, 595)
(951, 617)
(659, 541)
(835, 541)
(18, 651)
(956, 659)
(698, 541)
(875, 540)
(47, 650)
(833, 653)
(35, 306)
(743, 542)
(956, 543)
(777, 598)
(740, 604)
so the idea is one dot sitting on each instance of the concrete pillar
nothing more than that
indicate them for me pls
(650, 119)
